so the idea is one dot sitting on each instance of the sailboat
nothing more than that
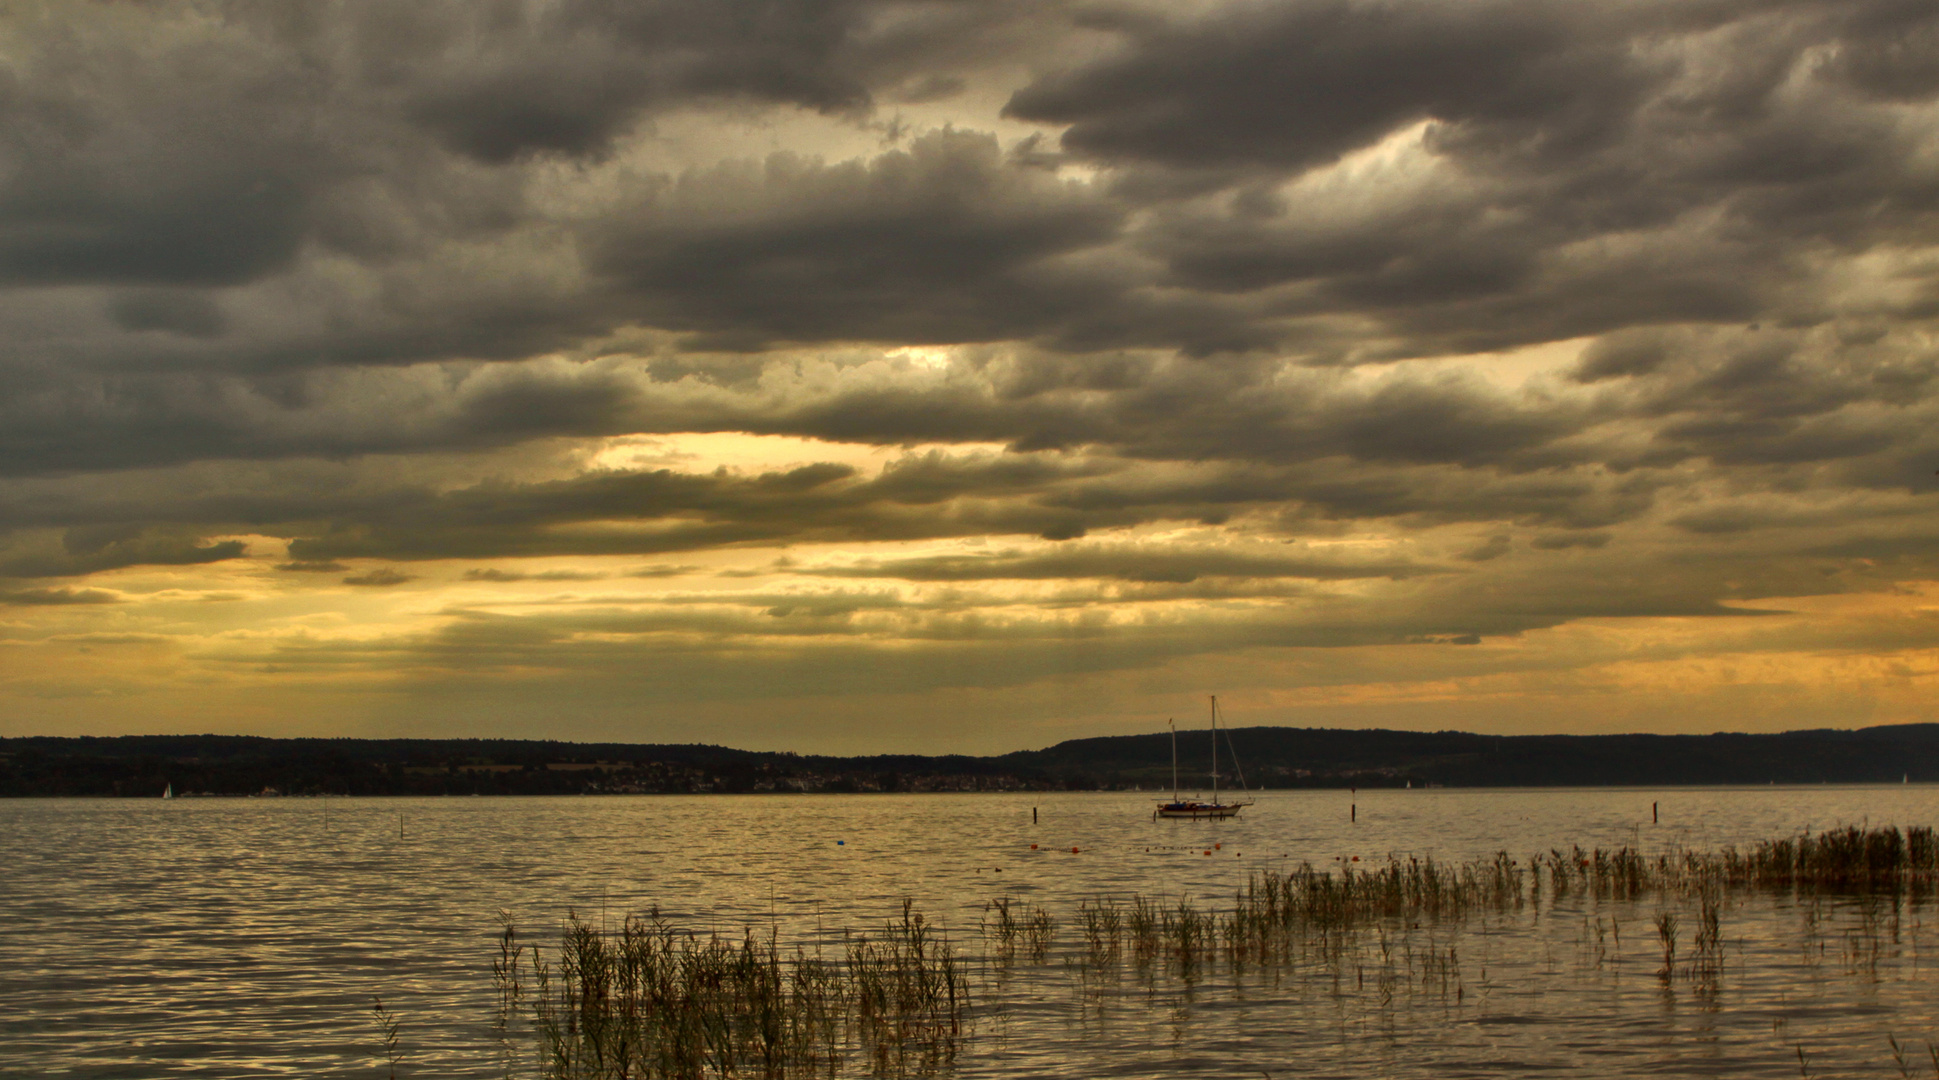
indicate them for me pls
(1194, 808)
(168, 792)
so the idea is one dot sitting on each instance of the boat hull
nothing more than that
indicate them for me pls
(1198, 811)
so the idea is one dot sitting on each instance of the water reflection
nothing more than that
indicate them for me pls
(249, 937)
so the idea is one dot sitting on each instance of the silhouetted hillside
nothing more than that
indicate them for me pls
(142, 766)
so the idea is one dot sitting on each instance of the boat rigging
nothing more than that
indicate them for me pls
(1194, 808)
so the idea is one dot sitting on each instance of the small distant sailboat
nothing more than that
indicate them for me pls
(1194, 809)
(168, 792)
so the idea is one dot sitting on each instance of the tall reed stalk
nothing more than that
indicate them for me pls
(651, 1002)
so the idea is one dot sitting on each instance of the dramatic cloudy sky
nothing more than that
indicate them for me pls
(965, 375)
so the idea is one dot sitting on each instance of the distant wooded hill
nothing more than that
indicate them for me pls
(1270, 757)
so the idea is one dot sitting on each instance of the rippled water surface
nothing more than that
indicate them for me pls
(248, 937)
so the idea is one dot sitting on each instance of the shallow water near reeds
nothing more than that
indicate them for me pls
(237, 938)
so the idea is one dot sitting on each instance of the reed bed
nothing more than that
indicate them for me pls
(650, 1002)
(1279, 916)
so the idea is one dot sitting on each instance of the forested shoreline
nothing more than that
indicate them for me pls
(1269, 757)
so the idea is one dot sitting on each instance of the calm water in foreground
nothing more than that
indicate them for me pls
(244, 937)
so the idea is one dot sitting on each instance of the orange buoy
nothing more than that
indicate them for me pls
(1208, 853)
(1073, 851)
(1033, 847)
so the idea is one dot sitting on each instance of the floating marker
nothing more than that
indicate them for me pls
(1218, 847)
(1073, 851)
(841, 843)
(1033, 847)
(1208, 853)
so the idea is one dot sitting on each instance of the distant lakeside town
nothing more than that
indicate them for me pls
(144, 766)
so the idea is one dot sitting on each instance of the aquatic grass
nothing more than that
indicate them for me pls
(1103, 924)
(908, 993)
(1666, 933)
(652, 1002)
(1014, 924)
(1280, 916)
(387, 1026)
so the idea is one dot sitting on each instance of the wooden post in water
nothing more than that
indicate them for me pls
(1652, 813)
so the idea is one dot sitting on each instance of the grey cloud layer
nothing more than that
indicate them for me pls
(252, 258)
(232, 188)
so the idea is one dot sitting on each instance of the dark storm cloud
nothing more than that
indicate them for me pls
(189, 314)
(571, 78)
(53, 424)
(186, 144)
(1600, 165)
(493, 574)
(218, 156)
(379, 577)
(684, 512)
(1292, 85)
(1585, 168)
(1122, 562)
(941, 242)
(57, 597)
(333, 514)
(508, 80)
(1299, 84)
(90, 549)
(1751, 397)
(1186, 410)
(1565, 541)
(1595, 166)
(273, 235)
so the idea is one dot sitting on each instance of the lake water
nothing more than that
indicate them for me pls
(248, 937)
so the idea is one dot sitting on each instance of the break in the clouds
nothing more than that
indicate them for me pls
(961, 376)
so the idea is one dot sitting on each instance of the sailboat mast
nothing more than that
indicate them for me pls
(1215, 749)
(1174, 759)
